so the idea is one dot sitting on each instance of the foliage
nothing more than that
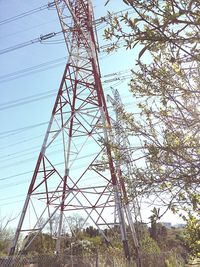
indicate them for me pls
(192, 236)
(158, 25)
(6, 235)
(149, 245)
(166, 81)
(40, 244)
(173, 261)
(90, 231)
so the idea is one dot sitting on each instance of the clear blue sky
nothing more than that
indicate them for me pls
(19, 143)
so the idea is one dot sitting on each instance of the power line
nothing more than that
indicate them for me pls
(48, 6)
(111, 77)
(57, 164)
(27, 29)
(46, 93)
(16, 196)
(11, 203)
(19, 130)
(16, 131)
(15, 175)
(26, 102)
(33, 69)
(21, 142)
(33, 41)
(24, 195)
(8, 133)
(49, 35)
(27, 13)
(28, 150)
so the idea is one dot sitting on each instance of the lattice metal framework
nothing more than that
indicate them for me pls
(124, 166)
(80, 128)
(124, 162)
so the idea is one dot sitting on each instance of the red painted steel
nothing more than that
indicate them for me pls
(82, 177)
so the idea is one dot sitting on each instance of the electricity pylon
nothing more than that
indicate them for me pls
(124, 166)
(82, 177)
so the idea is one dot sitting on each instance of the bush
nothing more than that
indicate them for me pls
(149, 246)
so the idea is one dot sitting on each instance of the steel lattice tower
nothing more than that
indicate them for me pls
(124, 166)
(77, 180)
(124, 162)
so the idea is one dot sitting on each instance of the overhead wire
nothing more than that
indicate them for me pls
(43, 66)
(22, 129)
(98, 21)
(24, 195)
(45, 93)
(15, 131)
(56, 164)
(19, 130)
(33, 69)
(27, 101)
(21, 142)
(15, 175)
(50, 153)
(28, 151)
(29, 172)
(11, 203)
(111, 77)
(48, 6)
(27, 13)
(27, 29)
(32, 150)
(12, 197)
(50, 35)
(39, 68)
(33, 41)
(45, 36)
(21, 45)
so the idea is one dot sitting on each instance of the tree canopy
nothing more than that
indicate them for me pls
(166, 81)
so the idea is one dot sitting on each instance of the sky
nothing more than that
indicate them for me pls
(29, 80)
